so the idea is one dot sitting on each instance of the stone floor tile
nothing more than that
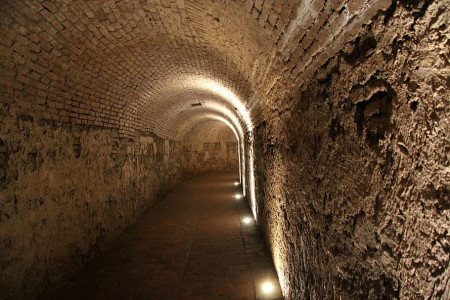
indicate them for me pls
(191, 245)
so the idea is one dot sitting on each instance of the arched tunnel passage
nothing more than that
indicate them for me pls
(339, 109)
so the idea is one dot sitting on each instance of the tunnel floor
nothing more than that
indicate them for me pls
(192, 245)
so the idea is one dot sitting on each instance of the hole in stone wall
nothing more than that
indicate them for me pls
(361, 49)
(390, 13)
(413, 105)
(119, 151)
(213, 147)
(196, 104)
(372, 116)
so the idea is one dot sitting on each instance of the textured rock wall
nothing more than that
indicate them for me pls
(67, 191)
(352, 166)
(207, 157)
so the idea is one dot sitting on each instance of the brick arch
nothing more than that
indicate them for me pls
(184, 127)
(210, 130)
(183, 105)
(175, 83)
(186, 120)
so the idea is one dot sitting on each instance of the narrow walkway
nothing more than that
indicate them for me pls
(192, 245)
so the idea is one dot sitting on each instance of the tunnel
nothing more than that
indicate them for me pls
(326, 124)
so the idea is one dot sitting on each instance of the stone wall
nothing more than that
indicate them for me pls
(208, 157)
(67, 191)
(352, 166)
(210, 146)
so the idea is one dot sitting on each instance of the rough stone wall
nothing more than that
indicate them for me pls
(208, 157)
(353, 169)
(66, 191)
(210, 147)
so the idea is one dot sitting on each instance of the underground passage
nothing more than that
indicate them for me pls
(224, 149)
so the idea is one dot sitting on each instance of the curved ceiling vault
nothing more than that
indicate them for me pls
(139, 65)
(153, 66)
(183, 126)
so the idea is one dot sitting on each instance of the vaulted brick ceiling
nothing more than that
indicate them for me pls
(159, 65)
(201, 132)
(136, 65)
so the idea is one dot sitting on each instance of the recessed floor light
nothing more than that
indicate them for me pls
(267, 287)
(238, 196)
(247, 220)
(236, 183)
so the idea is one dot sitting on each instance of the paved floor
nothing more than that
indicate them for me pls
(192, 245)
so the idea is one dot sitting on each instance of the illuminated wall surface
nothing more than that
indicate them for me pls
(335, 114)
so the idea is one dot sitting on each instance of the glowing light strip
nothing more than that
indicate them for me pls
(252, 181)
(216, 112)
(227, 113)
(223, 92)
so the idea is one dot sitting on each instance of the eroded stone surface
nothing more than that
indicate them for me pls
(353, 172)
(68, 191)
